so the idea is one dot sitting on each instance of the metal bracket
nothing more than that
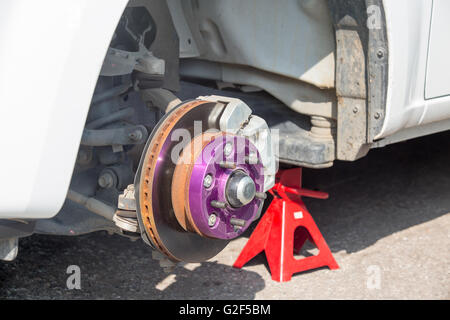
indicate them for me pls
(237, 119)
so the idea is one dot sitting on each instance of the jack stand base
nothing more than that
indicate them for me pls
(284, 228)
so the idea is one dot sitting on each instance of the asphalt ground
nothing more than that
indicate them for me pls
(387, 223)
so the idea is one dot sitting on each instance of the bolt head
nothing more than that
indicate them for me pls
(135, 135)
(380, 53)
(207, 181)
(106, 180)
(212, 220)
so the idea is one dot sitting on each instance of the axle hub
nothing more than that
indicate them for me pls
(217, 181)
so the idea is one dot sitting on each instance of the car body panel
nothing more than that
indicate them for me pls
(408, 27)
(438, 66)
(51, 53)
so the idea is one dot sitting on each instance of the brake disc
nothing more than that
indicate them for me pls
(194, 196)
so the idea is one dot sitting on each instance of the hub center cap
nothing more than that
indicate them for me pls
(240, 189)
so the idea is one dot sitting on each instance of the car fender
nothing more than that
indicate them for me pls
(51, 53)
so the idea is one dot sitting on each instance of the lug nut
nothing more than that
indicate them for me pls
(212, 220)
(207, 181)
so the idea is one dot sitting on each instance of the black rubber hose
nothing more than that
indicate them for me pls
(118, 115)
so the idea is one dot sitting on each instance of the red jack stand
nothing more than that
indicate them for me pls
(285, 227)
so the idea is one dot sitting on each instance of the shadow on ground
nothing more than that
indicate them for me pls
(114, 267)
(390, 190)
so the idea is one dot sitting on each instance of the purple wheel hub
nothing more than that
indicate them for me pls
(210, 206)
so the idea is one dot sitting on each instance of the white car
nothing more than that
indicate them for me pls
(167, 120)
